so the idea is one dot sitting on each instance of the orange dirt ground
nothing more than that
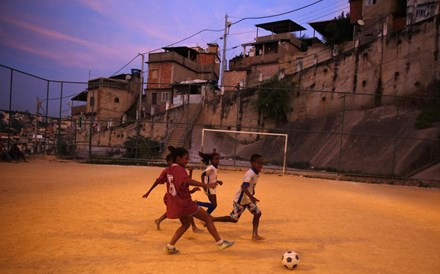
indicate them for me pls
(67, 217)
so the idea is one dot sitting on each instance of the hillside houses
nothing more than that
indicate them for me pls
(169, 69)
(181, 80)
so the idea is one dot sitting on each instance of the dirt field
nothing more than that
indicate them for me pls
(66, 217)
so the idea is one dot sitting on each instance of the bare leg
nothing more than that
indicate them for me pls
(159, 220)
(202, 215)
(213, 200)
(195, 229)
(181, 230)
(224, 219)
(255, 224)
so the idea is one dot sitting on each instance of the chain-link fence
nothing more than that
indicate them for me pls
(389, 136)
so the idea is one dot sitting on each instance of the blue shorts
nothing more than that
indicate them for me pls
(238, 210)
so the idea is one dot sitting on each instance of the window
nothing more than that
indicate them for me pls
(164, 96)
(424, 11)
(370, 2)
(92, 101)
(154, 98)
(116, 100)
(420, 13)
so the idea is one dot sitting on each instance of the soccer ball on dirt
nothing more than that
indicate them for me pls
(290, 260)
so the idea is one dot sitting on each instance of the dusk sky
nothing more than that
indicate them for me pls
(77, 39)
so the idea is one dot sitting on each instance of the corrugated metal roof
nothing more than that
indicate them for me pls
(281, 26)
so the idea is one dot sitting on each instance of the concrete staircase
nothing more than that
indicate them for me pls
(180, 131)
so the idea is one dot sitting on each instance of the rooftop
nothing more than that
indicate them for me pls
(281, 26)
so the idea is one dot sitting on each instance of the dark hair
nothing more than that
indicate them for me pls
(177, 152)
(169, 157)
(207, 157)
(255, 157)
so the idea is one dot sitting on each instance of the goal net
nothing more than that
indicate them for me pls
(236, 147)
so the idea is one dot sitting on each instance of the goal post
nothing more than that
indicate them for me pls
(285, 136)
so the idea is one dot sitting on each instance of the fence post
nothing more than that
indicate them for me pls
(235, 148)
(342, 135)
(59, 119)
(393, 173)
(10, 109)
(46, 116)
(92, 102)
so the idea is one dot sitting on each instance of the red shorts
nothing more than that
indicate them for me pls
(177, 208)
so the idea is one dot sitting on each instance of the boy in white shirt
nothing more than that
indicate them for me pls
(244, 197)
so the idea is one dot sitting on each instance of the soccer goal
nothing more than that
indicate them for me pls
(236, 147)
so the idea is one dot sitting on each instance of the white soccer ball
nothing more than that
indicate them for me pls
(290, 260)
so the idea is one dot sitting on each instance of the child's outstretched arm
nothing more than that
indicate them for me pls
(245, 189)
(151, 188)
(195, 189)
(196, 183)
(190, 168)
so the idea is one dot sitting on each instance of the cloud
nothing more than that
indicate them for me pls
(75, 51)
(102, 7)
(45, 32)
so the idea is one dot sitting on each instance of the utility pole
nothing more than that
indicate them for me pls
(227, 25)
(139, 111)
(141, 88)
(222, 79)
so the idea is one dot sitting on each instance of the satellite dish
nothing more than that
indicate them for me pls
(361, 22)
(127, 77)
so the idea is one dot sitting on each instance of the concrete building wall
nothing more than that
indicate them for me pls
(399, 64)
(403, 63)
(233, 78)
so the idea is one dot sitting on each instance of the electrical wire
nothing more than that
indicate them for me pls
(275, 15)
(218, 30)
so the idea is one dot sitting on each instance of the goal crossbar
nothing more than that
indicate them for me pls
(255, 133)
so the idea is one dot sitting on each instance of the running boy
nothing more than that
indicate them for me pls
(244, 197)
(162, 180)
(179, 202)
(211, 160)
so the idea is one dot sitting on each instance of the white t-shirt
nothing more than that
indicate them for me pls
(211, 177)
(250, 179)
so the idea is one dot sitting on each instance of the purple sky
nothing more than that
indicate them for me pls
(72, 40)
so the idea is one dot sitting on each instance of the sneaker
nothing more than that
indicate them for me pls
(171, 251)
(225, 245)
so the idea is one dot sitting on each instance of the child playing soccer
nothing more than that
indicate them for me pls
(211, 160)
(244, 197)
(162, 180)
(179, 202)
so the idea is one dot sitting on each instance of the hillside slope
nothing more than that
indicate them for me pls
(379, 141)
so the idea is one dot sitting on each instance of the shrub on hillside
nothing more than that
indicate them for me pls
(141, 147)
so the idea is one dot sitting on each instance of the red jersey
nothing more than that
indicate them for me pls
(162, 179)
(179, 202)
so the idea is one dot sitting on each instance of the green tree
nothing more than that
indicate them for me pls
(3, 124)
(274, 98)
(14, 127)
(141, 147)
(339, 30)
(65, 147)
